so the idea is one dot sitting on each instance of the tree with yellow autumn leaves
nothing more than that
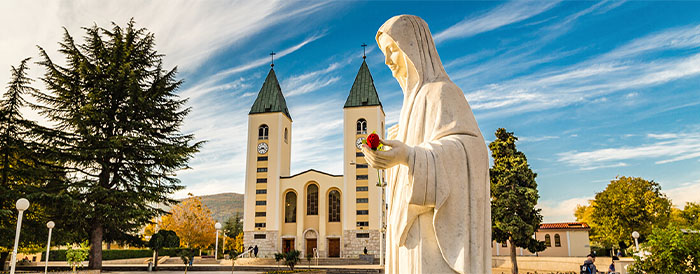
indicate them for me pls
(192, 221)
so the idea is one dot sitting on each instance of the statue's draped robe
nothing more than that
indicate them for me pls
(439, 218)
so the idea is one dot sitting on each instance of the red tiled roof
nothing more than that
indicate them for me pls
(574, 226)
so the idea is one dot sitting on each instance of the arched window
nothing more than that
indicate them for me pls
(290, 207)
(312, 200)
(361, 126)
(557, 240)
(263, 132)
(285, 135)
(334, 206)
(547, 240)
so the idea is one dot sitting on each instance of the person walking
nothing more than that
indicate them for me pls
(611, 268)
(588, 266)
(255, 250)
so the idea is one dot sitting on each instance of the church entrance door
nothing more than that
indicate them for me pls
(287, 245)
(334, 248)
(310, 246)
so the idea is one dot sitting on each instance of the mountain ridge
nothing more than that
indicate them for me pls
(223, 205)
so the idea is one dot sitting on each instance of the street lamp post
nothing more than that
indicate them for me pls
(635, 235)
(50, 225)
(21, 205)
(216, 245)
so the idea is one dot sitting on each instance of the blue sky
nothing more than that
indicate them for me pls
(593, 89)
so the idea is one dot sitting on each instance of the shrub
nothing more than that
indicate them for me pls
(291, 258)
(118, 254)
(75, 257)
(670, 251)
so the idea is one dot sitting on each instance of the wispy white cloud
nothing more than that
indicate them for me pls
(310, 81)
(317, 137)
(506, 14)
(561, 211)
(687, 192)
(687, 37)
(532, 139)
(665, 148)
(264, 61)
(611, 165)
(580, 82)
(493, 65)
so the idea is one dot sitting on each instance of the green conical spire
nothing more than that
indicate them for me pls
(363, 92)
(270, 98)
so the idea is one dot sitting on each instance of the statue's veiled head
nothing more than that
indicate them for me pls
(410, 50)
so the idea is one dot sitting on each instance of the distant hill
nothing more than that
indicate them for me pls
(223, 205)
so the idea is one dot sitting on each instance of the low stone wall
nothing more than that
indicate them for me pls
(266, 247)
(553, 264)
(353, 247)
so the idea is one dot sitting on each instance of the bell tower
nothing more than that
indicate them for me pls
(268, 158)
(362, 203)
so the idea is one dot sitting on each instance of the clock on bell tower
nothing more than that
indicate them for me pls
(268, 158)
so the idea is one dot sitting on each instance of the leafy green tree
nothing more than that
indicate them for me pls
(76, 256)
(117, 126)
(233, 226)
(671, 251)
(163, 239)
(27, 171)
(513, 197)
(690, 216)
(628, 204)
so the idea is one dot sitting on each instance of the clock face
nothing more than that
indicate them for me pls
(359, 142)
(262, 148)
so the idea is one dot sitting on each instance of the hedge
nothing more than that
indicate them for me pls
(118, 254)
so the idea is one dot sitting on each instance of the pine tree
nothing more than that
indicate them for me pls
(233, 226)
(513, 197)
(117, 127)
(26, 171)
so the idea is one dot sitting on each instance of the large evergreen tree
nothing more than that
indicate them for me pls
(27, 171)
(233, 226)
(513, 197)
(117, 126)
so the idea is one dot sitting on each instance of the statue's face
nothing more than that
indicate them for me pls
(395, 58)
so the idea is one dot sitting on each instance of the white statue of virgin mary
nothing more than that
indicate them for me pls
(439, 218)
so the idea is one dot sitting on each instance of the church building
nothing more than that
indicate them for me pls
(313, 211)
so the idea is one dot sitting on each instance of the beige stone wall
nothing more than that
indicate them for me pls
(573, 243)
(549, 264)
(555, 251)
(580, 244)
(266, 247)
(354, 247)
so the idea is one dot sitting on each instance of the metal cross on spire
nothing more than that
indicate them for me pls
(364, 53)
(272, 54)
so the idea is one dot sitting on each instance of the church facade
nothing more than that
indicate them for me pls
(313, 211)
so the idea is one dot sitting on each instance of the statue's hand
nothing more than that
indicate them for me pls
(398, 154)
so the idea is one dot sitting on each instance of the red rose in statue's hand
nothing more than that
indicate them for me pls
(373, 141)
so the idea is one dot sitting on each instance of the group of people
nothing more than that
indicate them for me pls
(589, 267)
(253, 251)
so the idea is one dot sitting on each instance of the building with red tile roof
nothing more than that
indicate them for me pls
(569, 239)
